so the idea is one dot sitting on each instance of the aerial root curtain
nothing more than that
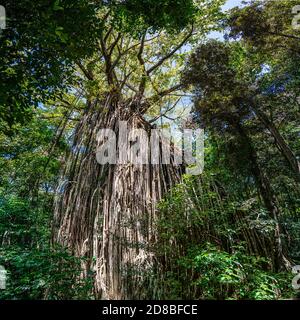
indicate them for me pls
(107, 213)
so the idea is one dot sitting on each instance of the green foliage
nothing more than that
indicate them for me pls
(36, 270)
(136, 16)
(38, 48)
(235, 275)
(210, 255)
(19, 224)
(45, 273)
(262, 22)
(44, 40)
(215, 235)
(31, 156)
(29, 172)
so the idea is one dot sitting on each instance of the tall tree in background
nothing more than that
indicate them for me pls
(243, 88)
(274, 42)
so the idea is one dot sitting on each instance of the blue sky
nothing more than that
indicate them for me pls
(232, 3)
(228, 5)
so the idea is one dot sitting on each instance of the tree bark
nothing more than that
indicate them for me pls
(107, 213)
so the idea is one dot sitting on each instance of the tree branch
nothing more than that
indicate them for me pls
(169, 55)
(86, 72)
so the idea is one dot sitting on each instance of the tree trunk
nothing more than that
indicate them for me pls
(107, 213)
(267, 194)
(281, 144)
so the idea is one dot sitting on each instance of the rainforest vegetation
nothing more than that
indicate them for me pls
(71, 228)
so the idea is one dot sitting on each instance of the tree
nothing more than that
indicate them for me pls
(276, 46)
(72, 228)
(107, 213)
(225, 104)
